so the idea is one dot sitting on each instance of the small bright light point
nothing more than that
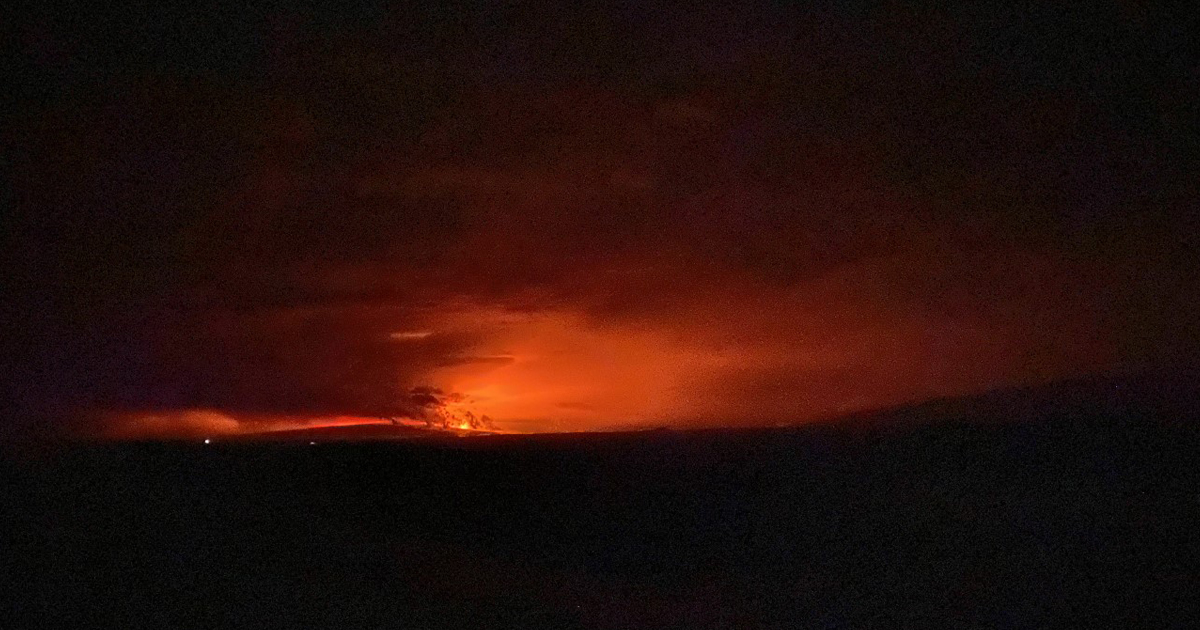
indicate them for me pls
(312, 443)
(207, 441)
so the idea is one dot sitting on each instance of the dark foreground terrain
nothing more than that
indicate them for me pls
(1065, 512)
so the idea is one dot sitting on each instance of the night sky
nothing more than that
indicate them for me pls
(586, 218)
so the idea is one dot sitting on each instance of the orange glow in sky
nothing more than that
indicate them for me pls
(564, 374)
(724, 352)
(736, 353)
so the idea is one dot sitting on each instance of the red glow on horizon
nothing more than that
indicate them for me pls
(727, 352)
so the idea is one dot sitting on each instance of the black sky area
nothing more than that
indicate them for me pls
(229, 206)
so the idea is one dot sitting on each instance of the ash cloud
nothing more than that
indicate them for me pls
(246, 241)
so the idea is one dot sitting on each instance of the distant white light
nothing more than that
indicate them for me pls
(207, 441)
(312, 443)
